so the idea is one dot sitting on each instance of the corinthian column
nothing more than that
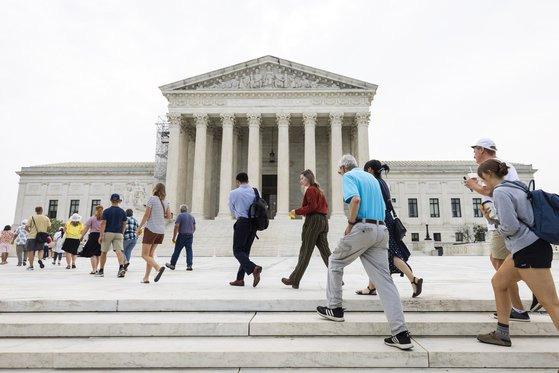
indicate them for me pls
(199, 172)
(254, 160)
(283, 164)
(337, 207)
(226, 172)
(362, 122)
(171, 180)
(309, 121)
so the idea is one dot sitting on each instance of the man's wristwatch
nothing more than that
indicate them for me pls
(350, 223)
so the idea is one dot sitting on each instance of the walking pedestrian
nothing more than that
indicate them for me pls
(111, 233)
(92, 248)
(157, 210)
(38, 226)
(315, 228)
(244, 232)
(398, 253)
(486, 149)
(58, 243)
(72, 241)
(21, 241)
(130, 236)
(531, 256)
(366, 237)
(183, 235)
(6, 240)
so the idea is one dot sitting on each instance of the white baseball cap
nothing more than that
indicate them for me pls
(487, 144)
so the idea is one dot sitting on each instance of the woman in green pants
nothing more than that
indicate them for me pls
(315, 228)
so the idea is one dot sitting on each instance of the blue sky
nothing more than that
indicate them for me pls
(78, 79)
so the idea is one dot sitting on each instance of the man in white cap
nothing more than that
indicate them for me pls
(20, 241)
(485, 149)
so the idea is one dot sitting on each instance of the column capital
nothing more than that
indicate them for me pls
(283, 119)
(227, 119)
(309, 118)
(336, 118)
(254, 119)
(362, 119)
(175, 119)
(201, 119)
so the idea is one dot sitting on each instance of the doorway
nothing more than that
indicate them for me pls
(270, 193)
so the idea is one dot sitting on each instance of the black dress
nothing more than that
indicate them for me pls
(395, 247)
(92, 247)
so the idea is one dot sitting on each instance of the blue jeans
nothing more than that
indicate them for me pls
(183, 240)
(128, 246)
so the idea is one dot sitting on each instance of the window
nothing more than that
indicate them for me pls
(437, 237)
(455, 205)
(94, 202)
(74, 206)
(394, 200)
(434, 207)
(53, 208)
(459, 236)
(477, 207)
(415, 237)
(412, 208)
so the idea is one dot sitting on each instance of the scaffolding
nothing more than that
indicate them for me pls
(161, 149)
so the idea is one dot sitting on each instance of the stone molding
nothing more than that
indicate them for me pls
(362, 119)
(283, 119)
(336, 118)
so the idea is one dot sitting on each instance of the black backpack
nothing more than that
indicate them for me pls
(258, 212)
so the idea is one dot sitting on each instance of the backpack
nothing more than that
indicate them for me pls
(546, 211)
(258, 212)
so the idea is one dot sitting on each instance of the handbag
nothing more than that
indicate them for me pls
(41, 237)
(399, 229)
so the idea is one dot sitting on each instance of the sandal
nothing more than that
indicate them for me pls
(144, 282)
(67, 267)
(372, 291)
(418, 286)
(159, 273)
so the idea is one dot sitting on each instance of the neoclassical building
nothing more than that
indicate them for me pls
(271, 118)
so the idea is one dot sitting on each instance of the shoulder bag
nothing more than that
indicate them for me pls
(41, 237)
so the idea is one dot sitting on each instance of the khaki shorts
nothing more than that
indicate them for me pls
(112, 238)
(498, 247)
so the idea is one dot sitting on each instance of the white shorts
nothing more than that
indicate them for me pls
(4, 247)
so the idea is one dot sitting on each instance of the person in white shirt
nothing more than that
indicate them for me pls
(485, 149)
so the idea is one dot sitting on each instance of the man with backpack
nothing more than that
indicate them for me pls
(242, 201)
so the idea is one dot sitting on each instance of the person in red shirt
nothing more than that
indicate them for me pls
(315, 228)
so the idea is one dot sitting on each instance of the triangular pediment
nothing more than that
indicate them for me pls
(268, 73)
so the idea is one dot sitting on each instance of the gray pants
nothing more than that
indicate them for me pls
(21, 254)
(370, 243)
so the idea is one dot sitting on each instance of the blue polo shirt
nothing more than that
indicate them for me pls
(360, 183)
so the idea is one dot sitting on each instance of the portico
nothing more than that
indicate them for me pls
(271, 118)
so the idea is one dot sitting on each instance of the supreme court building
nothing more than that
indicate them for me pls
(271, 118)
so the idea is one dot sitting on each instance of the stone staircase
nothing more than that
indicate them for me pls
(263, 340)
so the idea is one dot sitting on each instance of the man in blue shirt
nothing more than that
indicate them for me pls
(244, 232)
(183, 234)
(366, 237)
(111, 232)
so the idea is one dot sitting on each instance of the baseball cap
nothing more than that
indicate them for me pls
(115, 197)
(486, 143)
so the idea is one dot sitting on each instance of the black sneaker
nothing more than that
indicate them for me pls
(41, 264)
(516, 316)
(100, 273)
(121, 272)
(170, 266)
(189, 268)
(401, 340)
(126, 266)
(536, 306)
(334, 314)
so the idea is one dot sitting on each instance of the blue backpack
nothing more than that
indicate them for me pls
(546, 210)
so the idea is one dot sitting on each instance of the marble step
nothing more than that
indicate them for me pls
(299, 370)
(138, 324)
(236, 302)
(272, 352)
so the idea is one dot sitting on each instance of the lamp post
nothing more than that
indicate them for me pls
(427, 237)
